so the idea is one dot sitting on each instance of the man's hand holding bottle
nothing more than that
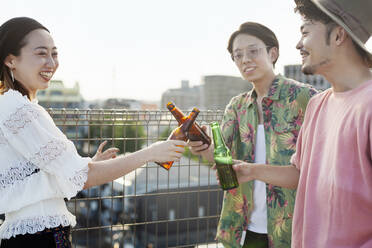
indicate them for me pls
(202, 149)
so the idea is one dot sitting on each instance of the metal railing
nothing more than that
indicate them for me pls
(150, 207)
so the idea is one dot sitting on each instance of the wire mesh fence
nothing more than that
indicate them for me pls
(150, 207)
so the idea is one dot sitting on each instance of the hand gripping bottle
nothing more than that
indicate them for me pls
(223, 159)
(196, 133)
(180, 133)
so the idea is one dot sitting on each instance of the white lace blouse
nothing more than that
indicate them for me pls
(39, 167)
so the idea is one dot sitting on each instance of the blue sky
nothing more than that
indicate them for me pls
(140, 48)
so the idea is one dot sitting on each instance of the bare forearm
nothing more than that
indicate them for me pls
(283, 176)
(106, 171)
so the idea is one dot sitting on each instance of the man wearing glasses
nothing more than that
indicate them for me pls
(260, 126)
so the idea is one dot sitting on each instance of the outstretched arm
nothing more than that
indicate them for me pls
(101, 172)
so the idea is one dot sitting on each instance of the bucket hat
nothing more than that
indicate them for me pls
(355, 16)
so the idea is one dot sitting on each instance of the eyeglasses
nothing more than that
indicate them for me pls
(251, 53)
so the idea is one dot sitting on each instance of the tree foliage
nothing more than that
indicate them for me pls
(128, 136)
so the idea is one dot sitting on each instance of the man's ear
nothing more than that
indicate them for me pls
(274, 54)
(340, 35)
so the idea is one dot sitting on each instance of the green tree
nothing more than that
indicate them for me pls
(165, 134)
(128, 136)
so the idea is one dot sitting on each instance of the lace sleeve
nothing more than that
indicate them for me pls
(33, 137)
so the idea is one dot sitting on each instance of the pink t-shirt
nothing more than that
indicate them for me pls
(334, 155)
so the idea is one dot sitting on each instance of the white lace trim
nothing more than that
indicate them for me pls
(49, 152)
(80, 178)
(21, 118)
(34, 225)
(18, 173)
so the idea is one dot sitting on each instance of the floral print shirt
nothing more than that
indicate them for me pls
(283, 113)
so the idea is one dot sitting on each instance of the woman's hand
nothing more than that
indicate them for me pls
(109, 153)
(164, 151)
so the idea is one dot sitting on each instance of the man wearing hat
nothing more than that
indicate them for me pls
(332, 166)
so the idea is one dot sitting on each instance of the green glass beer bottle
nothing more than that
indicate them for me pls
(223, 159)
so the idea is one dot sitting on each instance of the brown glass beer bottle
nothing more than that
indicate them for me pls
(180, 133)
(196, 133)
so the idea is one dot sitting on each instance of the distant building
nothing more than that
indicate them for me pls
(121, 103)
(215, 92)
(294, 72)
(149, 106)
(185, 97)
(219, 89)
(59, 96)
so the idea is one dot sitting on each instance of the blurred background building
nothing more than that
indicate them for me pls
(59, 96)
(215, 92)
(219, 89)
(294, 72)
(185, 97)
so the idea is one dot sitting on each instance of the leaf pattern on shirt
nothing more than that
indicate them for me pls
(283, 112)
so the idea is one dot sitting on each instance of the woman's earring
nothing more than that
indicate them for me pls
(11, 75)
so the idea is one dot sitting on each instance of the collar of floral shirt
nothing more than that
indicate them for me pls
(274, 91)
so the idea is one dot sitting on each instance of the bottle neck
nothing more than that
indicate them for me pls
(177, 113)
(217, 136)
(189, 121)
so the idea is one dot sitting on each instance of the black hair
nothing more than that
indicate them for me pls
(257, 30)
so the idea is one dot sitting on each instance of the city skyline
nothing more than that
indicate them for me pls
(140, 49)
